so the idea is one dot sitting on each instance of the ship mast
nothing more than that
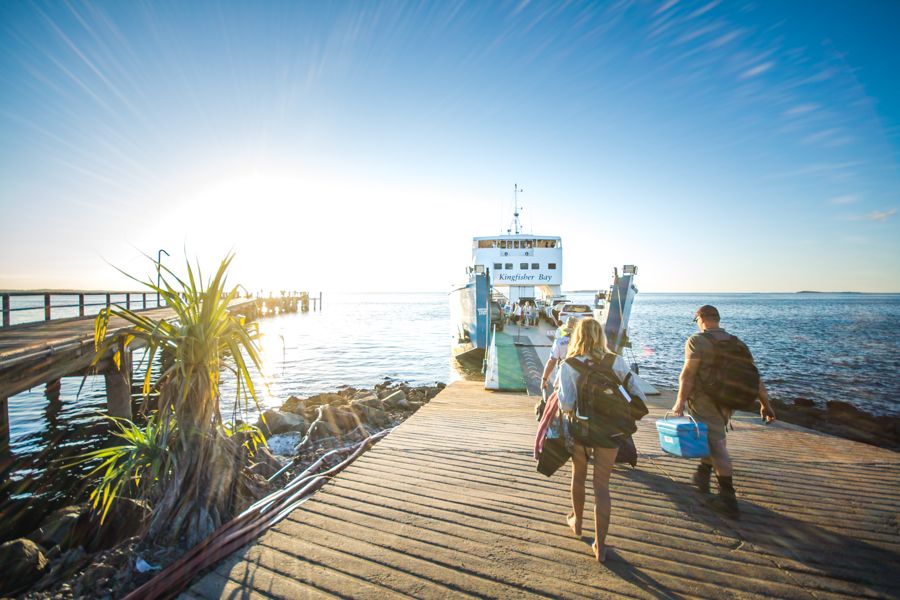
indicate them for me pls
(516, 224)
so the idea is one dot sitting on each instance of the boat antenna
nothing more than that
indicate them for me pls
(516, 191)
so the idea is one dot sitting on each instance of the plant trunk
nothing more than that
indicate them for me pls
(199, 496)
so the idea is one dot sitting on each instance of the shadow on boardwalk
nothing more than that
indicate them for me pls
(775, 535)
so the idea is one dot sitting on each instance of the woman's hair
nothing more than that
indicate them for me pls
(588, 339)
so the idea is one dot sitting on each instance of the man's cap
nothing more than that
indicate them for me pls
(707, 310)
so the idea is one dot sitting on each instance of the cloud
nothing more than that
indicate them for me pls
(666, 6)
(800, 109)
(881, 215)
(878, 216)
(725, 38)
(843, 200)
(703, 9)
(757, 70)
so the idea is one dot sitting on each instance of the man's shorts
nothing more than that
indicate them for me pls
(703, 409)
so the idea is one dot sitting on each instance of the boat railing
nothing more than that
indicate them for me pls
(491, 368)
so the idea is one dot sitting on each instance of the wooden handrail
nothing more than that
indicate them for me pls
(46, 297)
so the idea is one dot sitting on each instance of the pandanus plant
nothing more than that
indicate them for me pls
(200, 340)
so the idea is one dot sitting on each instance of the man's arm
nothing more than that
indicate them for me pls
(766, 411)
(548, 368)
(686, 384)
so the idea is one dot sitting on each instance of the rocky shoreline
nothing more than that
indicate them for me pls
(70, 555)
(843, 420)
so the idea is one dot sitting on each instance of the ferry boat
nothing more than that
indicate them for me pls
(505, 269)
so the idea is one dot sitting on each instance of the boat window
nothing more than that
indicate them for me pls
(535, 266)
(529, 244)
(515, 243)
(523, 266)
(551, 265)
(498, 266)
(485, 243)
(508, 266)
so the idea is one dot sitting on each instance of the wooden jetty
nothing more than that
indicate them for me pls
(450, 505)
(33, 354)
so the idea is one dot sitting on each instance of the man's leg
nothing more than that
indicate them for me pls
(579, 476)
(727, 499)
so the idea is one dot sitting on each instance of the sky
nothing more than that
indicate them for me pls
(359, 146)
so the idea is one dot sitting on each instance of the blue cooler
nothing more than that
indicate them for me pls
(683, 436)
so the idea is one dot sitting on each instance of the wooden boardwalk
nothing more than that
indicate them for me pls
(449, 505)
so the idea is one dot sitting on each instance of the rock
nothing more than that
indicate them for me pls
(283, 444)
(125, 519)
(321, 399)
(365, 395)
(64, 568)
(348, 392)
(340, 420)
(370, 415)
(294, 405)
(842, 408)
(58, 525)
(320, 430)
(416, 405)
(439, 385)
(277, 421)
(804, 402)
(369, 400)
(396, 400)
(264, 462)
(96, 576)
(21, 562)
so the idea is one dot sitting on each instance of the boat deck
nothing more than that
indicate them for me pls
(450, 505)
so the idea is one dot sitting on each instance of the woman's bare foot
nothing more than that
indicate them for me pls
(574, 523)
(600, 552)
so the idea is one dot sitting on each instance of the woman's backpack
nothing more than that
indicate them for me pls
(604, 411)
(733, 380)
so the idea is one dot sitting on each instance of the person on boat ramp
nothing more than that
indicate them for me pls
(589, 342)
(558, 349)
(529, 313)
(699, 356)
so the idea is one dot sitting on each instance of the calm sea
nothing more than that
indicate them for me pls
(817, 346)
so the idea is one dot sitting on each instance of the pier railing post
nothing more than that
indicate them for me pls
(118, 388)
(6, 310)
(80, 305)
(4, 424)
(46, 307)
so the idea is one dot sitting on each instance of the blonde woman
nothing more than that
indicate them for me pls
(589, 343)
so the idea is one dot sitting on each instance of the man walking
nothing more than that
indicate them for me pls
(695, 392)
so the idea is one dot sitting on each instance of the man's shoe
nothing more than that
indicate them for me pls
(701, 479)
(726, 505)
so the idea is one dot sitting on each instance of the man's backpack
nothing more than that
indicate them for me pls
(733, 380)
(604, 411)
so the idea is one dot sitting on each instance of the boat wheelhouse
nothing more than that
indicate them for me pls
(521, 266)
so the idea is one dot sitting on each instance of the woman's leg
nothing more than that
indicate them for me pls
(579, 476)
(604, 459)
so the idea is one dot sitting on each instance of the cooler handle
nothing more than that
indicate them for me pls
(696, 427)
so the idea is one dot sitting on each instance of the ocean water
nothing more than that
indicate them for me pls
(816, 346)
